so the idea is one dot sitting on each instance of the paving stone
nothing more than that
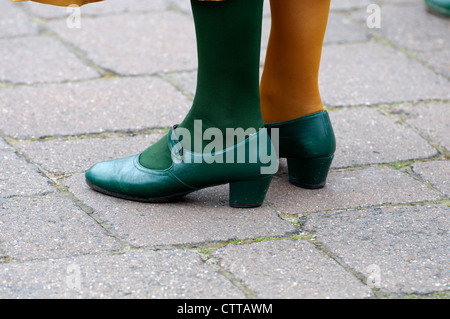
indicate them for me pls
(49, 238)
(431, 119)
(187, 81)
(365, 136)
(413, 28)
(265, 34)
(437, 173)
(290, 270)
(399, 2)
(100, 8)
(18, 177)
(183, 5)
(372, 73)
(401, 249)
(77, 155)
(203, 216)
(342, 29)
(14, 22)
(116, 7)
(143, 274)
(357, 145)
(439, 59)
(130, 6)
(266, 8)
(117, 42)
(4, 146)
(348, 4)
(55, 62)
(349, 189)
(91, 107)
(49, 227)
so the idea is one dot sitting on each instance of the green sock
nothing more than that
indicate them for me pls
(227, 96)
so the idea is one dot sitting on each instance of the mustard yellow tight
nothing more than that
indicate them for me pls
(289, 87)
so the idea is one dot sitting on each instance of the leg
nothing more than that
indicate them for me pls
(289, 85)
(290, 97)
(227, 96)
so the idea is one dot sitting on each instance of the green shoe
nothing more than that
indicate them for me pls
(308, 143)
(439, 6)
(248, 167)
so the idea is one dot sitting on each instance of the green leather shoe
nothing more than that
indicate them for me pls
(439, 6)
(308, 143)
(248, 167)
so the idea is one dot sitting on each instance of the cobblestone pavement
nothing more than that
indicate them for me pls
(70, 97)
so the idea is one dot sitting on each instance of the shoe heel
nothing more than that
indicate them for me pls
(310, 173)
(250, 193)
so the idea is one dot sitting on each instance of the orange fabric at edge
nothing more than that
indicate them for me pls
(66, 3)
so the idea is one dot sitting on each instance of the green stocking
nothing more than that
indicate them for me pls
(228, 44)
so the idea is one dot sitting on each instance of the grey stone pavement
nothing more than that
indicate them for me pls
(70, 97)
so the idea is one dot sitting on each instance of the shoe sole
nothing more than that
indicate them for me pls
(164, 199)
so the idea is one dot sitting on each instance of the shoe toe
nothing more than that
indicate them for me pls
(102, 176)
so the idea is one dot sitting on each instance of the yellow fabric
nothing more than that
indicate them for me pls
(289, 84)
(66, 3)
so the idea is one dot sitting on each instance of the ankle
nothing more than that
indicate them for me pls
(279, 109)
